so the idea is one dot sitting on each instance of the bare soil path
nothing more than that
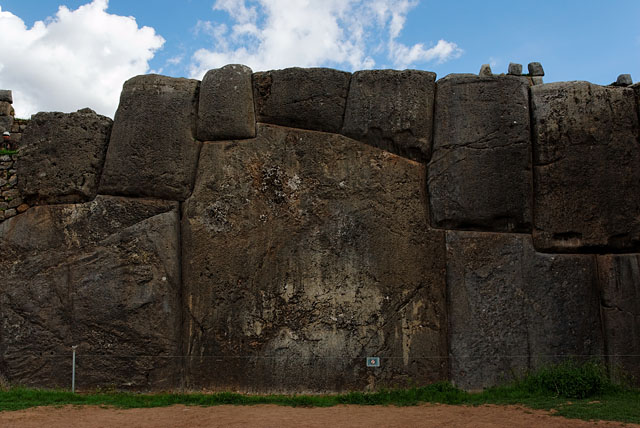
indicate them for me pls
(427, 415)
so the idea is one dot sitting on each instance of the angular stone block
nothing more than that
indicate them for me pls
(304, 253)
(5, 108)
(586, 168)
(62, 155)
(307, 98)
(392, 110)
(620, 290)
(6, 96)
(225, 109)
(6, 122)
(480, 170)
(512, 309)
(153, 150)
(102, 275)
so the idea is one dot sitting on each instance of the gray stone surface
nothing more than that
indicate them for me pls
(5, 123)
(624, 80)
(6, 95)
(392, 110)
(587, 168)
(225, 109)
(515, 69)
(512, 309)
(536, 80)
(153, 150)
(304, 253)
(535, 69)
(307, 98)
(485, 71)
(62, 155)
(620, 287)
(5, 108)
(102, 275)
(480, 170)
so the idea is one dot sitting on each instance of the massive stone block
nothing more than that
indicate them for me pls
(480, 171)
(392, 110)
(225, 109)
(153, 150)
(104, 276)
(587, 168)
(304, 253)
(61, 156)
(512, 309)
(620, 288)
(308, 98)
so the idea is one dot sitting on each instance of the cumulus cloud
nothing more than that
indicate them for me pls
(77, 58)
(269, 34)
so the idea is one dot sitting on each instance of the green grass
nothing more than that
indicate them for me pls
(7, 152)
(571, 390)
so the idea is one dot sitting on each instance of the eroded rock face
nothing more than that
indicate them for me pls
(104, 276)
(512, 309)
(225, 109)
(153, 151)
(480, 171)
(307, 98)
(61, 156)
(304, 253)
(392, 110)
(620, 287)
(587, 168)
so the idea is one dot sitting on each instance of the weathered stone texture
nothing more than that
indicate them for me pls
(102, 275)
(620, 288)
(6, 96)
(153, 150)
(304, 253)
(392, 110)
(6, 122)
(226, 109)
(512, 309)
(307, 98)
(586, 168)
(62, 155)
(480, 171)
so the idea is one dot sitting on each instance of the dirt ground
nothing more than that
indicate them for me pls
(427, 415)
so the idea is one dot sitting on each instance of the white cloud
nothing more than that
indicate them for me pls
(78, 58)
(268, 34)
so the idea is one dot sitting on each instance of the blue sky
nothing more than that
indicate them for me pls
(66, 59)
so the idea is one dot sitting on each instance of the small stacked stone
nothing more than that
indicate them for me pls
(623, 80)
(6, 110)
(515, 69)
(485, 71)
(536, 72)
(10, 201)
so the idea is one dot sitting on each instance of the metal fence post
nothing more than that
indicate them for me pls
(73, 370)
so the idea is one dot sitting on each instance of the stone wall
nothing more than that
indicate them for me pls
(266, 232)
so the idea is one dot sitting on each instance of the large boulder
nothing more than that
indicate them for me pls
(480, 170)
(153, 150)
(392, 110)
(103, 275)
(307, 98)
(620, 287)
(304, 253)
(225, 109)
(62, 155)
(587, 168)
(512, 309)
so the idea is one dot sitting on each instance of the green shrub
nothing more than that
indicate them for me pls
(570, 380)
